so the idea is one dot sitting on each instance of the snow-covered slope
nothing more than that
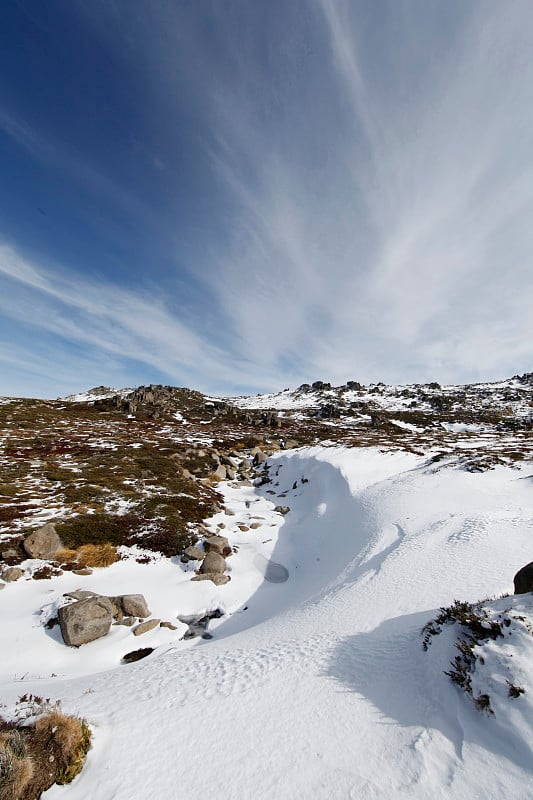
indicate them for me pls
(317, 686)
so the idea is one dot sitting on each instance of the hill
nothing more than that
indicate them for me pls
(365, 539)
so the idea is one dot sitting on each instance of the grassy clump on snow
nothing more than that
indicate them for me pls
(34, 755)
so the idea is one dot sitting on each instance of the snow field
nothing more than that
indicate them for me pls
(320, 688)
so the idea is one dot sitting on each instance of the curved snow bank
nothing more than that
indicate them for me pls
(327, 527)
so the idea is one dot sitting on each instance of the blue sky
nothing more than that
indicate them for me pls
(241, 196)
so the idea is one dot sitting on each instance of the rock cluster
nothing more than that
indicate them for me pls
(213, 566)
(91, 615)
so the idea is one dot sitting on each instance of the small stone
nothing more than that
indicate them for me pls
(217, 578)
(220, 472)
(168, 625)
(192, 554)
(127, 621)
(213, 562)
(217, 544)
(243, 528)
(82, 571)
(144, 627)
(282, 509)
(12, 556)
(81, 594)
(255, 525)
(133, 605)
(2, 585)
(12, 574)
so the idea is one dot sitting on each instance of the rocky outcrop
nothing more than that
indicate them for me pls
(43, 543)
(523, 580)
(86, 620)
(282, 509)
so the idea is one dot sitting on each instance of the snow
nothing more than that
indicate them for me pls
(463, 427)
(317, 686)
(91, 395)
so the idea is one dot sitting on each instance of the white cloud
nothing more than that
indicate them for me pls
(115, 321)
(374, 187)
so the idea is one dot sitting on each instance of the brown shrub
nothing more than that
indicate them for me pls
(97, 555)
(66, 554)
(58, 744)
(65, 731)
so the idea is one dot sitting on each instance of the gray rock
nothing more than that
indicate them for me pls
(43, 543)
(127, 621)
(191, 554)
(81, 594)
(12, 574)
(220, 472)
(217, 544)
(12, 556)
(85, 620)
(82, 571)
(213, 563)
(169, 625)
(282, 509)
(131, 605)
(217, 578)
(259, 458)
(144, 627)
(523, 580)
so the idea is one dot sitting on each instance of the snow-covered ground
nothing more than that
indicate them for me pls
(318, 686)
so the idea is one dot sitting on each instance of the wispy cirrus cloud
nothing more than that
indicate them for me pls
(114, 321)
(422, 241)
(370, 187)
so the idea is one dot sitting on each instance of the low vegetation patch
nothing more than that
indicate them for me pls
(51, 748)
(477, 627)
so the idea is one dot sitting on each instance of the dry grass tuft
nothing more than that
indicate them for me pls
(66, 555)
(97, 555)
(64, 730)
(16, 767)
